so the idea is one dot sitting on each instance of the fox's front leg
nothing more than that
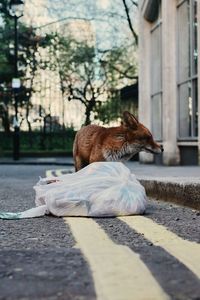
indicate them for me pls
(80, 163)
(96, 155)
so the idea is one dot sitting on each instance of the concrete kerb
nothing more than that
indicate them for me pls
(176, 190)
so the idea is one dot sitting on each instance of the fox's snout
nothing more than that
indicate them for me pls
(155, 149)
(160, 149)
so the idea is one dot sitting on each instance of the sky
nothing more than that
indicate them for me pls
(106, 16)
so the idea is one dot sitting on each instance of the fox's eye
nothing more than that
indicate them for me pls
(145, 140)
(149, 137)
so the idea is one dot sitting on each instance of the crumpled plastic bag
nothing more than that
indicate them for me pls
(101, 189)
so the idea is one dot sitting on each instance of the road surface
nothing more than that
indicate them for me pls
(155, 256)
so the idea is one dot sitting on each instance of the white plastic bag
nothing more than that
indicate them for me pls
(100, 189)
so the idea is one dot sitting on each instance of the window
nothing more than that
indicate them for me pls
(156, 79)
(187, 55)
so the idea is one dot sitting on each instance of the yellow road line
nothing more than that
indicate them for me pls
(118, 272)
(59, 172)
(185, 251)
(49, 173)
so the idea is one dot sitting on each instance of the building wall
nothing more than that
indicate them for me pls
(168, 77)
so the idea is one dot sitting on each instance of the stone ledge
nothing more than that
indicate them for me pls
(181, 191)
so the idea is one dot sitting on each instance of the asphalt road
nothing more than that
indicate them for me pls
(46, 258)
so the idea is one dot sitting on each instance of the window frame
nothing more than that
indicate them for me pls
(157, 25)
(192, 77)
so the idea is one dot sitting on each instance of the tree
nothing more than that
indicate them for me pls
(94, 74)
(88, 75)
(81, 76)
(28, 62)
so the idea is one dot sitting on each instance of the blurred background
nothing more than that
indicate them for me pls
(64, 64)
(69, 63)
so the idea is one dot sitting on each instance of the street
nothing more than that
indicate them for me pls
(154, 256)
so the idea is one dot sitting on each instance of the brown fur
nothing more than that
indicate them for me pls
(96, 143)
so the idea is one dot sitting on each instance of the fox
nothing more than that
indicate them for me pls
(95, 143)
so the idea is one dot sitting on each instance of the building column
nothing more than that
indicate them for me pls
(144, 78)
(198, 41)
(171, 155)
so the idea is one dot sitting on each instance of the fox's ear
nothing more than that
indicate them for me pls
(129, 120)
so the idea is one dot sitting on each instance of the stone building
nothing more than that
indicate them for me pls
(169, 101)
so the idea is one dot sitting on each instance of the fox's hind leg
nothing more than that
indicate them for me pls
(78, 159)
(77, 163)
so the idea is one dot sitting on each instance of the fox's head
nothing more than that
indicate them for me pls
(138, 135)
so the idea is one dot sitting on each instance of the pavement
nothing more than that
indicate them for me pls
(178, 184)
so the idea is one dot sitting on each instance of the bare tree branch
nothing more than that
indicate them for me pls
(74, 96)
(134, 3)
(129, 21)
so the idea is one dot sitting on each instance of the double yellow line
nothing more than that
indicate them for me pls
(185, 251)
(57, 172)
(118, 272)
